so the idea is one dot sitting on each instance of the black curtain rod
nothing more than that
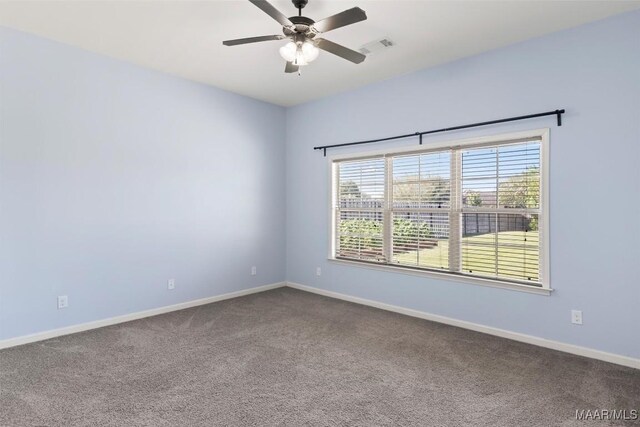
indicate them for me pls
(557, 113)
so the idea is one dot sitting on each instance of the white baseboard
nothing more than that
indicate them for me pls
(40, 336)
(529, 339)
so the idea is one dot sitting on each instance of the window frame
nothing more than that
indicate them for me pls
(544, 287)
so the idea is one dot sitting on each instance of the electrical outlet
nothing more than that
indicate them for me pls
(318, 271)
(254, 270)
(171, 284)
(576, 317)
(63, 301)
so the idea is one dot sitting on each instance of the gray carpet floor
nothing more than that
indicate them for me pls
(286, 357)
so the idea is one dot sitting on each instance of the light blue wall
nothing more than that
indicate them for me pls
(114, 178)
(594, 72)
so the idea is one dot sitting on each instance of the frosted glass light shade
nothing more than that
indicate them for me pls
(299, 54)
(309, 51)
(288, 51)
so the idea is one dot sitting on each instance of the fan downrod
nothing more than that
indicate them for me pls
(299, 4)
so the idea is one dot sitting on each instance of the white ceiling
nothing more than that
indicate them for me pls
(184, 37)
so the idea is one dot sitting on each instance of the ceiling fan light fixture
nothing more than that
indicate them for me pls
(309, 51)
(288, 51)
(300, 53)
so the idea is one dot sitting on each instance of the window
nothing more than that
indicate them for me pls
(473, 209)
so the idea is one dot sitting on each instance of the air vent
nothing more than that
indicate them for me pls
(377, 46)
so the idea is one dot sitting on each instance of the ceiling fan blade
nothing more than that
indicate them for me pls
(251, 40)
(267, 8)
(348, 17)
(290, 68)
(341, 51)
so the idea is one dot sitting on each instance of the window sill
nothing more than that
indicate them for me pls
(444, 276)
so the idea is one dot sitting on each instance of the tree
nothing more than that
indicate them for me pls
(521, 191)
(472, 198)
(349, 190)
(433, 191)
(361, 235)
(408, 234)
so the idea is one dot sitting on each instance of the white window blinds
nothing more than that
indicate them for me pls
(500, 211)
(461, 210)
(421, 197)
(360, 210)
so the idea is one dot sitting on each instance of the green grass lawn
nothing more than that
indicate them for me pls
(519, 258)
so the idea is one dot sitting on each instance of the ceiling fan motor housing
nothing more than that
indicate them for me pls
(301, 25)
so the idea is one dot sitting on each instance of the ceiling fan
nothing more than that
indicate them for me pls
(303, 46)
